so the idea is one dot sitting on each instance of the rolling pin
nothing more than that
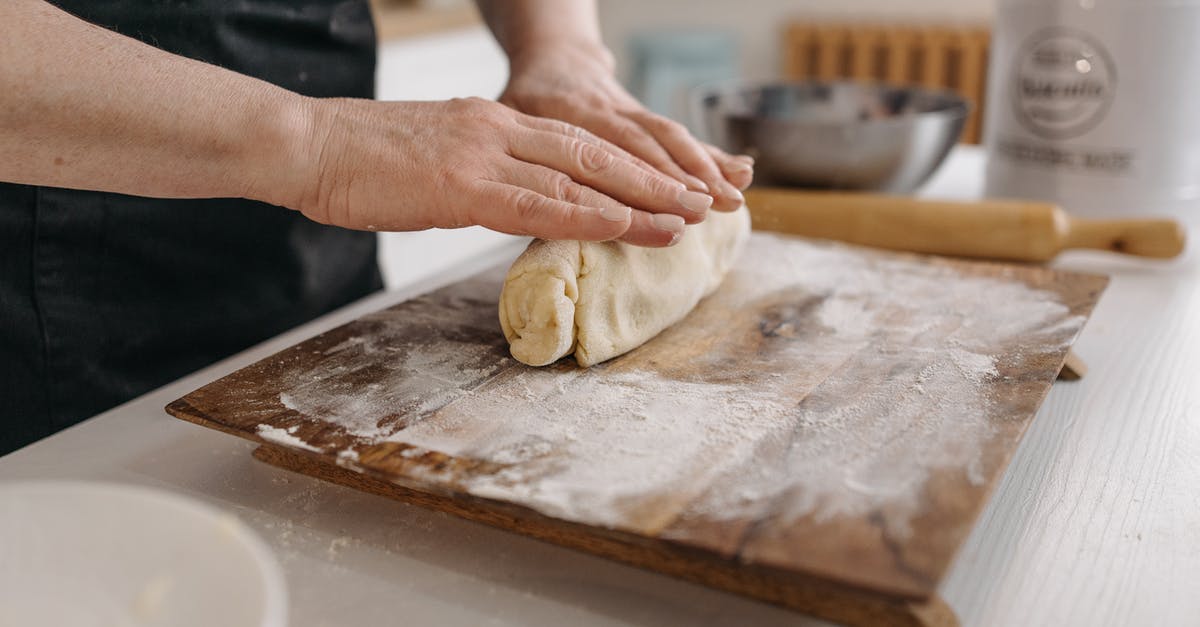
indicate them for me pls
(993, 229)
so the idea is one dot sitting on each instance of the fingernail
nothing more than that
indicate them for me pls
(615, 214)
(694, 201)
(729, 191)
(747, 159)
(667, 222)
(739, 166)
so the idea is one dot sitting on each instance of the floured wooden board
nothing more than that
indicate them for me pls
(831, 414)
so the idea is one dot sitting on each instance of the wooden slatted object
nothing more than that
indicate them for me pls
(820, 433)
(944, 57)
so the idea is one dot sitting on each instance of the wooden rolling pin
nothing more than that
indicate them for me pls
(993, 229)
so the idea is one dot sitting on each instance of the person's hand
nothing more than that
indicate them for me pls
(575, 83)
(404, 166)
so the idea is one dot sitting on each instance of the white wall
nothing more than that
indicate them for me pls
(757, 24)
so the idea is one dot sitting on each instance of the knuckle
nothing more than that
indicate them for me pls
(477, 110)
(575, 194)
(474, 102)
(566, 128)
(461, 104)
(659, 186)
(627, 134)
(576, 101)
(582, 134)
(563, 188)
(591, 159)
(528, 206)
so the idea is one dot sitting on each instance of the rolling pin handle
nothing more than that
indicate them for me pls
(1156, 238)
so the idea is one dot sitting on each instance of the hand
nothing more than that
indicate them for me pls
(414, 165)
(575, 83)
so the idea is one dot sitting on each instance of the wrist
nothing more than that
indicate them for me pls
(583, 53)
(279, 158)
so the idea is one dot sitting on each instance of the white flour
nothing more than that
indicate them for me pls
(412, 379)
(897, 355)
(284, 437)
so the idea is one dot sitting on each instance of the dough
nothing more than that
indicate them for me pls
(601, 299)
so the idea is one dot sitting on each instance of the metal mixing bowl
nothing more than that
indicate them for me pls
(840, 135)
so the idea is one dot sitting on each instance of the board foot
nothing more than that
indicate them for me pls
(1073, 368)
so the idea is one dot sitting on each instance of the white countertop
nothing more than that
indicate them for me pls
(1096, 522)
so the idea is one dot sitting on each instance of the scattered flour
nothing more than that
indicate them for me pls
(284, 437)
(374, 384)
(880, 376)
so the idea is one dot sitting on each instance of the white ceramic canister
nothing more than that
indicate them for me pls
(1095, 105)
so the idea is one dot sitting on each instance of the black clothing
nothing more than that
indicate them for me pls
(104, 296)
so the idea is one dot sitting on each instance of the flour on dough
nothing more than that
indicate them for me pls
(601, 299)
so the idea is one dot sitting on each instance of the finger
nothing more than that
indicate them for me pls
(678, 142)
(608, 173)
(645, 229)
(522, 211)
(653, 229)
(578, 132)
(738, 169)
(663, 164)
(629, 136)
(690, 155)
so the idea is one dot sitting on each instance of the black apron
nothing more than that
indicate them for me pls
(105, 296)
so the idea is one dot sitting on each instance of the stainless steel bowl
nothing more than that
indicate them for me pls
(840, 135)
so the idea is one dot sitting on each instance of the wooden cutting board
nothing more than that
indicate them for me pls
(820, 433)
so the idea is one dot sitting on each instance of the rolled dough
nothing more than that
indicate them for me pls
(601, 299)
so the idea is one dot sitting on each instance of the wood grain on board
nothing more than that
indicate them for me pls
(377, 403)
(808, 594)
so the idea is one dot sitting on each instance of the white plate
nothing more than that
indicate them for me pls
(84, 554)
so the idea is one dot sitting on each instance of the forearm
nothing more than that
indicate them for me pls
(524, 27)
(86, 108)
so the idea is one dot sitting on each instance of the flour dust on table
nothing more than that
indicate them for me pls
(819, 381)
